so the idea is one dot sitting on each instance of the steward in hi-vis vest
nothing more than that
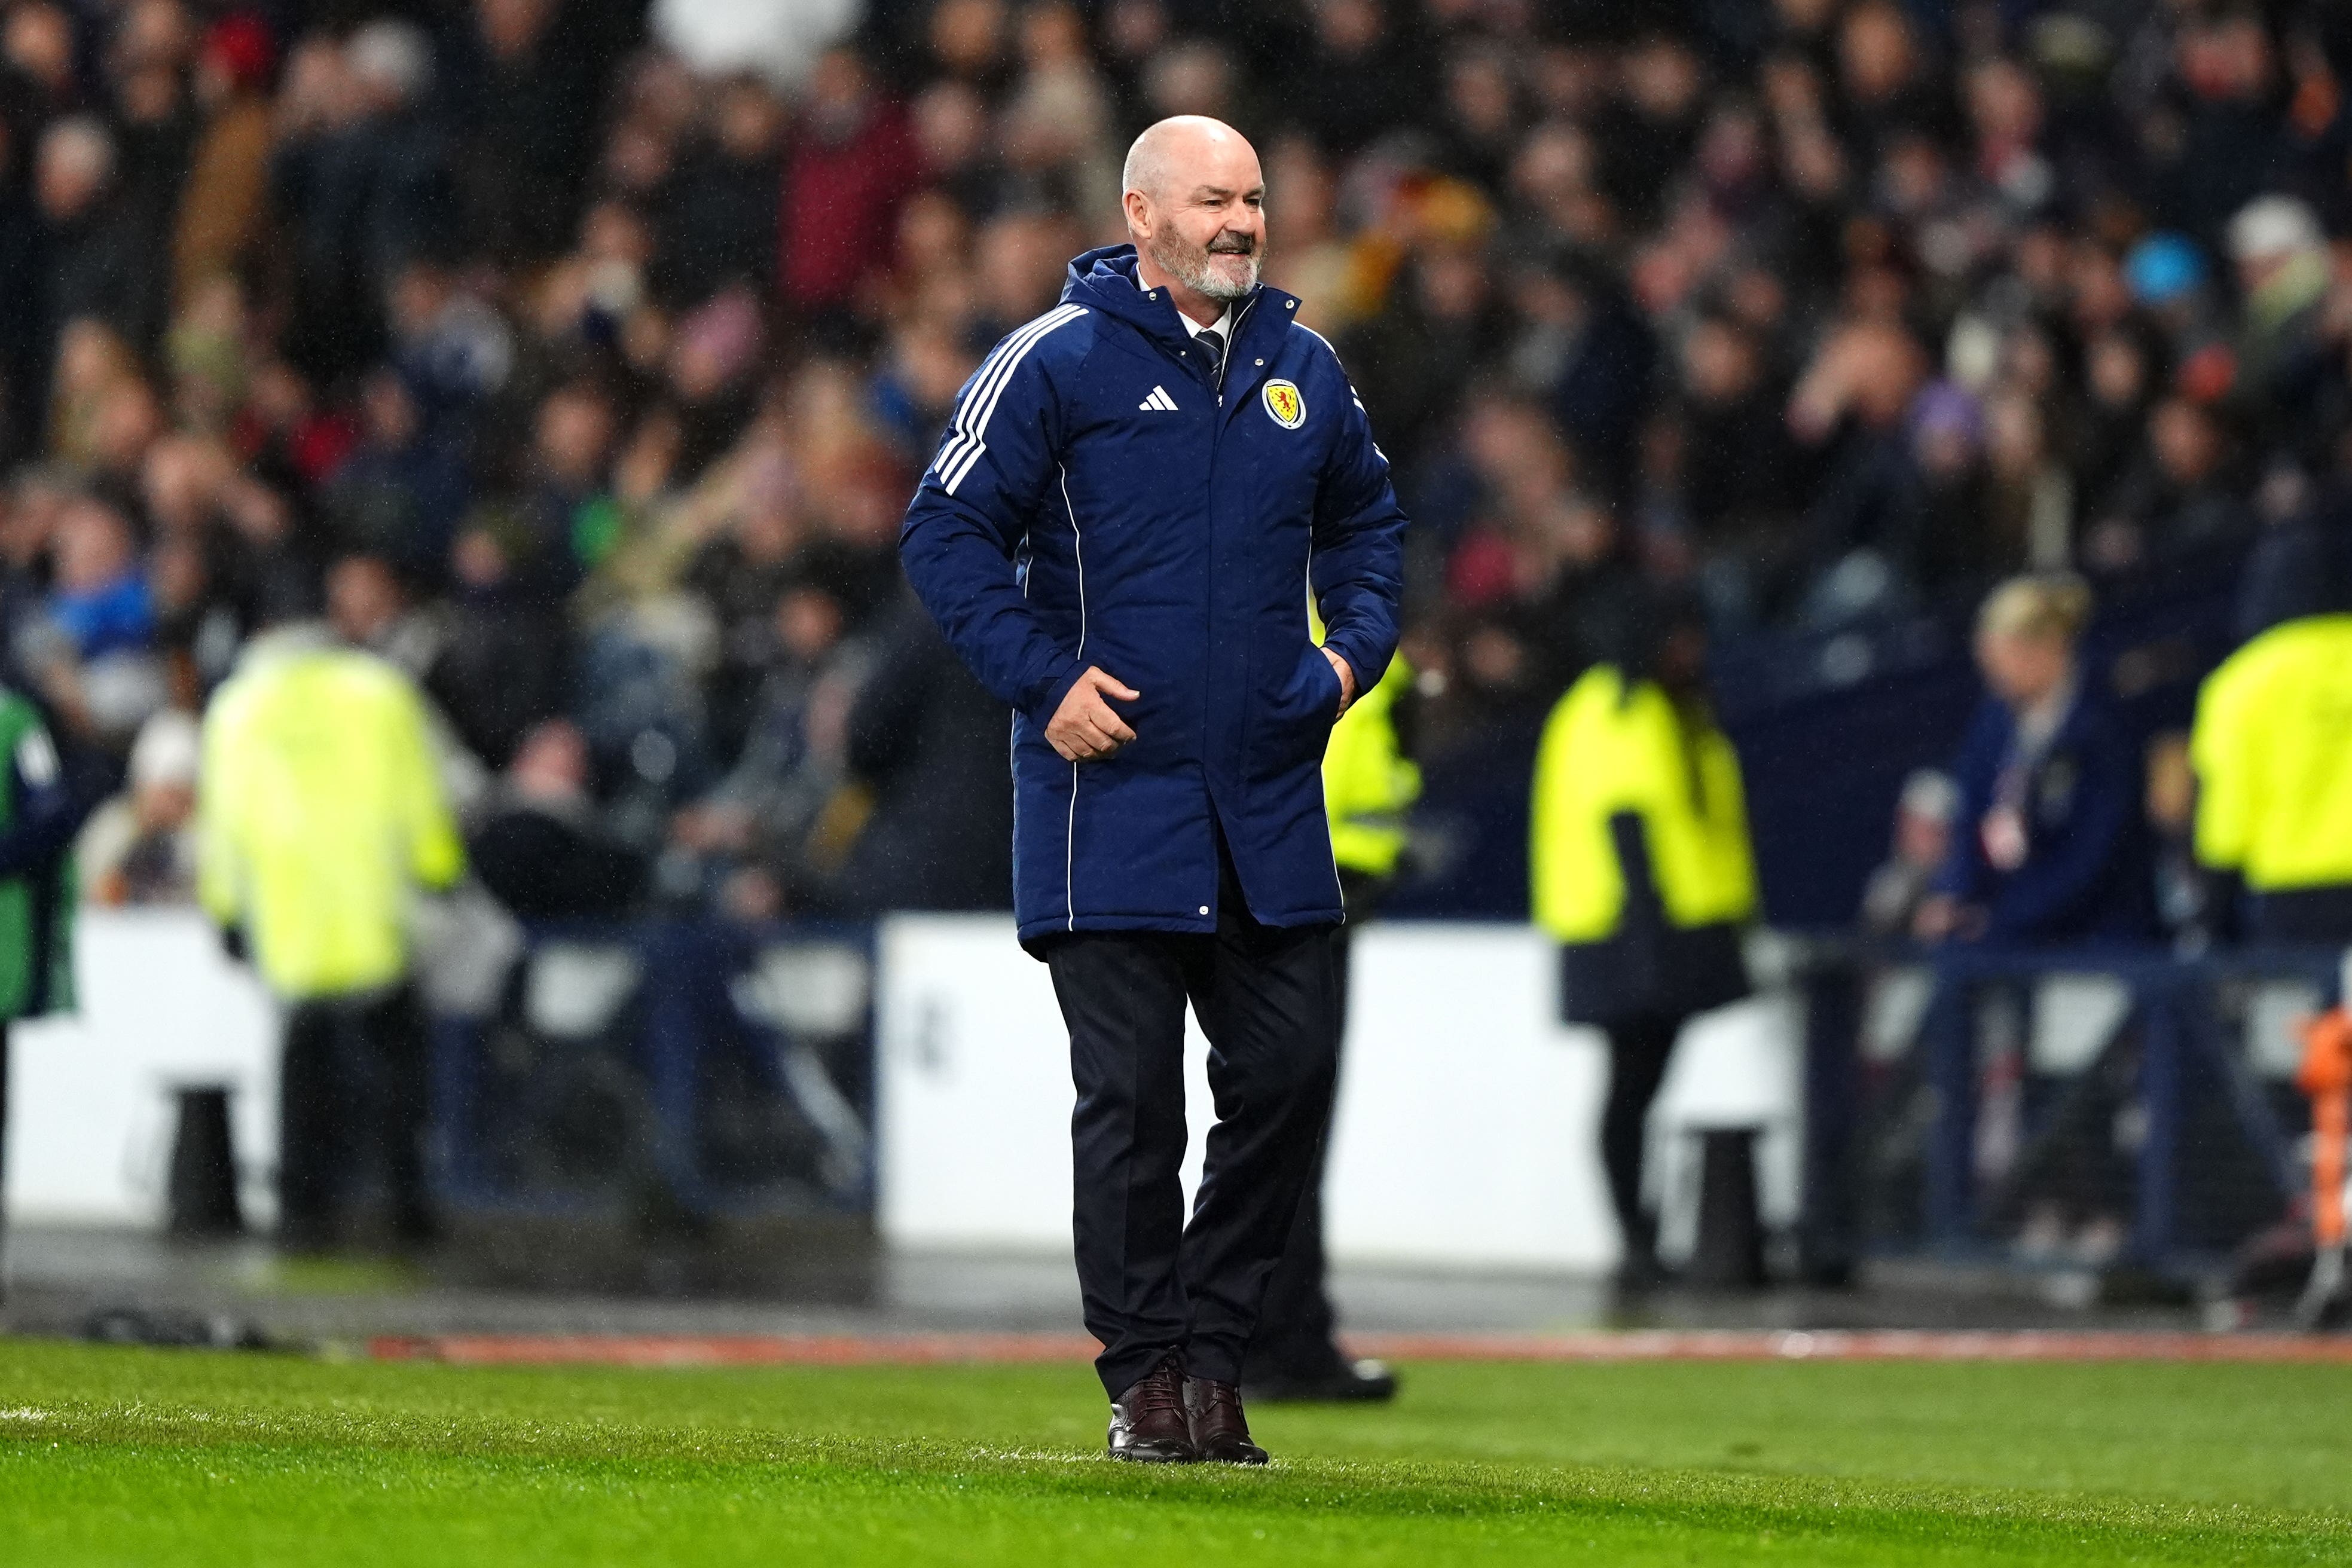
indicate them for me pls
(2273, 750)
(1643, 873)
(1371, 779)
(1370, 784)
(321, 817)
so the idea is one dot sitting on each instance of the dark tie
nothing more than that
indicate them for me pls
(1212, 344)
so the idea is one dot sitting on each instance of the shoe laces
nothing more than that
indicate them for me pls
(1161, 1389)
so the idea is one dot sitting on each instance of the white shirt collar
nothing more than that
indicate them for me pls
(1223, 324)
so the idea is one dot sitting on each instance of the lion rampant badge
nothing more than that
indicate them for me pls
(1283, 405)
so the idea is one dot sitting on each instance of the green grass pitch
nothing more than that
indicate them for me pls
(182, 1458)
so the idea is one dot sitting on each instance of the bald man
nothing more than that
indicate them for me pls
(1137, 497)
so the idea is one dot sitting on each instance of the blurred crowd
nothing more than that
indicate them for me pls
(580, 357)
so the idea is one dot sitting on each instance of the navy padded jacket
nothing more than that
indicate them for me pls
(1100, 499)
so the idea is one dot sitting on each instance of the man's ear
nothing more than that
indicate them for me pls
(1139, 213)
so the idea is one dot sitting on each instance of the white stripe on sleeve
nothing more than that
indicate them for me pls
(963, 445)
(974, 422)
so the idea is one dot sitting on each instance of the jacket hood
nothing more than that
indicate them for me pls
(287, 639)
(1104, 279)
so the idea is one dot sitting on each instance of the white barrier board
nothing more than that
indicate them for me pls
(89, 1094)
(1464, 1134)
(1465, 1128)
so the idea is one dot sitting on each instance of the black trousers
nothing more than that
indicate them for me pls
(353, 1100)
(1638, 1050)
(1268, 1001)
(2313, 915)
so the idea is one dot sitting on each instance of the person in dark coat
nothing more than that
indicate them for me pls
(927, 742)
(1139, 492)
(360, 182)
(718, 213)
(530, 78)
(541, 851)
(88, 240)
(2048, 844)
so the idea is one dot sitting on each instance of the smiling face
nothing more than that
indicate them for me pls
(1196, 206)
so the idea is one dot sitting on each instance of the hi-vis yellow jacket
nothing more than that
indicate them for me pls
(2272, 751)
(1605, 752)
(320, 814)
(1369, 784)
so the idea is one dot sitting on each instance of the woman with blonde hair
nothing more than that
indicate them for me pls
(2049, 843)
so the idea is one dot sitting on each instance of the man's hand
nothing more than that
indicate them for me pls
(1347, 680)
(1085, 728)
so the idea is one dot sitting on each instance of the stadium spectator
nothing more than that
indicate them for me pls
(854, 164)
(540, 849)
(767, 835)
(1923, 842)
(2049, 843)
(402, 489)
(223, 207)
(924, 751)
(1644, 875)
(95, 266)
(91, 644)
(140, 848)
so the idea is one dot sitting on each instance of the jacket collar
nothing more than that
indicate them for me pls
(1105, 280)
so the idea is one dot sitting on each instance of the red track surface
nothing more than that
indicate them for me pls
(922, 1349)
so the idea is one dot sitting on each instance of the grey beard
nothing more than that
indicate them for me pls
(1190, 268)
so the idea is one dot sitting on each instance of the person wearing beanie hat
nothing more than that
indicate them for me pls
(2284, 272)
(223, 205)
(140, 848)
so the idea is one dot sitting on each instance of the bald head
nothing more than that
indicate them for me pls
(1180, 147)
(1196, 200)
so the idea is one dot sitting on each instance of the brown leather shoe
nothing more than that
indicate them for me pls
(1220, 1430)
(1147, 1425)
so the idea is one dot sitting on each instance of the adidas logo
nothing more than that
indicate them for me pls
(1159, 401)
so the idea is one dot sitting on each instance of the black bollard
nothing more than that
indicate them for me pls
(202, 1195)
(1730, 1251)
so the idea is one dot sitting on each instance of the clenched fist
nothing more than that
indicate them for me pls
(1085, 728)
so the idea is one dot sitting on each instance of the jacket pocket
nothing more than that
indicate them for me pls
(1296, 727)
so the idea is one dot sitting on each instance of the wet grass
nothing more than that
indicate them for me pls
(112, 1456)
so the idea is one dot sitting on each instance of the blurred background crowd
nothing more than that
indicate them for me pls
(579, 356)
